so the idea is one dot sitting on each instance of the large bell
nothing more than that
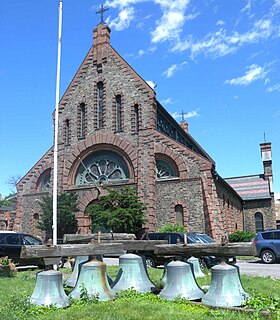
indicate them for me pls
(180, 282)
(49, 290)
(132, 274)
(225, 289)
(92, 277)
(71, 281)
(196, 267)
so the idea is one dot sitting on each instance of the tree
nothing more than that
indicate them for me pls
(169, 227)
(67, 206)
(119, 210)
(12, 181)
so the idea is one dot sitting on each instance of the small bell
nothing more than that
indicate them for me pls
(196, 267)
(180, 282)
(225, 289)
(92, 277)
(71, 281)
(132, 274)
(49, 290)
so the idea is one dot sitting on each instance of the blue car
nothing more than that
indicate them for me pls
(268, 245)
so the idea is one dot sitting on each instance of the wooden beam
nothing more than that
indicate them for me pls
(86, 238)
(68, 250)
(210, 249)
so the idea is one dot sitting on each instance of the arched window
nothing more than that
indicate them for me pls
(118, 113)
(179, 214)
(103, 166)
(164, 170)
(67, 132)
(81, 120)
(100, 105)
(258, 221)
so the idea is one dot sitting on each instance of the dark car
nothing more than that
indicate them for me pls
(175, 237)
(268, 245)
(11, 244)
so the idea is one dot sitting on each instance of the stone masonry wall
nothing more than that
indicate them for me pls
(188, 193)
(263, 206)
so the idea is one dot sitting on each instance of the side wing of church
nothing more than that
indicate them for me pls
(113, 131)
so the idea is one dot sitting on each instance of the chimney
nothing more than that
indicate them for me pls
(267, 162)
(185, 126)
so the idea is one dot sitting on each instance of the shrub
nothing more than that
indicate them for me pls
(241, 236)
(169, 227)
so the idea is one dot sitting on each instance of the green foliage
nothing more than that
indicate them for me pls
(67, 206)
(169, 227)
(119, 210)
(241, 236)
(131, 305)
(5, 203)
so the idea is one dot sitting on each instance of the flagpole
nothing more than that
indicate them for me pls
(55, 165)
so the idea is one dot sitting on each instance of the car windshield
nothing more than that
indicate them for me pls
(31, 240)
(200, 238)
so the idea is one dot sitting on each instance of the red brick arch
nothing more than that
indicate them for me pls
(97, 142)
(163, 151)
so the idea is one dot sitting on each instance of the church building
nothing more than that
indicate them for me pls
(114, 132)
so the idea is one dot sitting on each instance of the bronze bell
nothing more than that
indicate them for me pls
(71, 281)
(49, 290)
(196, 267)
(225, 289)
(93, 278)
(180, 282)
(132, 274)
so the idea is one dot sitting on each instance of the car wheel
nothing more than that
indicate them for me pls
(268, 256)
(61, 263)
(150, 262)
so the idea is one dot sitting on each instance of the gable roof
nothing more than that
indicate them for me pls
(250, 187)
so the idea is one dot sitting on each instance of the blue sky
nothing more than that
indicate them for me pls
(218, 61)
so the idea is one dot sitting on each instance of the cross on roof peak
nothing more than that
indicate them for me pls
(101, 12)
(182, 115)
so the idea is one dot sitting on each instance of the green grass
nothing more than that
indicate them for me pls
(15, 291)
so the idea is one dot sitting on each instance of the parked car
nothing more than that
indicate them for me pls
(174, 237)
(11, 243)
(268, 245)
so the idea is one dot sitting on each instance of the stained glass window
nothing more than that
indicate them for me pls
(103, 166)
(118, 113)
(164, 170)
(258, 221)
(46, 183)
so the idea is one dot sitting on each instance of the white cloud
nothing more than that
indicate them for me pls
(220, 23)
(276, 87)
(151, 84)
(168, 27)
(220, 43)
(121, 3)
(253, 73)
(172, 69)
(173, 18)
(247, 7)
(123, 20)
(167, 101)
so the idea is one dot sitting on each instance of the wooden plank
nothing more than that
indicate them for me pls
(66, 250)
(213, 249)
(142, 245)
(86, 238)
